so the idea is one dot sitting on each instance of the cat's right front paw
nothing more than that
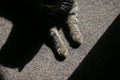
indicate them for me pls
(62, 51)
(59, 45)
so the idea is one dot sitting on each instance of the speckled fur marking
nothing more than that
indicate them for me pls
(75, 34)
(59, 44)
(73, 25)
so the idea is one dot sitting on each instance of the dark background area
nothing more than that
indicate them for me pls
(103, 61)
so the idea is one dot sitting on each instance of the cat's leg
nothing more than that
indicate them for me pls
(59, 44)
(72, 23)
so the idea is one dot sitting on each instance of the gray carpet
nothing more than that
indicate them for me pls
(95, 16)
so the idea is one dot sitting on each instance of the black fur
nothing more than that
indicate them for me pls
(37, 8)
(30, 20)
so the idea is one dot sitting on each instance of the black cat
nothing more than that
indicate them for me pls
(51, 15)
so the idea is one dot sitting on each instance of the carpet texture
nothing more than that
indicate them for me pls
(95, 16)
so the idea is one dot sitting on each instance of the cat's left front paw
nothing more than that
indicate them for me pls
(75, 33)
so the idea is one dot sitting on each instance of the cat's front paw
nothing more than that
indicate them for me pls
(58, 43)
(75, 33)
(62, 51)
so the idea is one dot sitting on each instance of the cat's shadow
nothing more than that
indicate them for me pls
(29, 32)
(26, 38)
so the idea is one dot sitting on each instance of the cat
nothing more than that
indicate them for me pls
(65, 10)
(54, 11)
